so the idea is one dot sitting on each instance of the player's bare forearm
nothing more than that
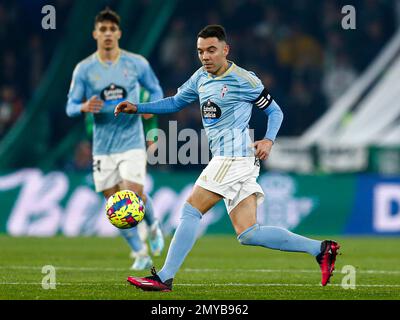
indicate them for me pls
(125, 107)
(263, 148)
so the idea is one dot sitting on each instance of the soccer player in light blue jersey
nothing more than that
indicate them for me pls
(99, 82)
(227, 94)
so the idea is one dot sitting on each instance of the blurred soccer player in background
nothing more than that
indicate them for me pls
(227, 94)
(99, 82)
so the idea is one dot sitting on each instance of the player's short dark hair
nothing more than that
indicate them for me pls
(213, 30)
(107, 15)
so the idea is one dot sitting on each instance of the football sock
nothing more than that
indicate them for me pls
(132, 237)
(279, 239)
(149, 211)
(182, 242)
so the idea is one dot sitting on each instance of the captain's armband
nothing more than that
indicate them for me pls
(263, 100)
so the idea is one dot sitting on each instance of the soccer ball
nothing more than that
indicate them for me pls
(125, 209)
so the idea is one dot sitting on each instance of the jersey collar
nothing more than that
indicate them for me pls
(106, 64)
(228, 71)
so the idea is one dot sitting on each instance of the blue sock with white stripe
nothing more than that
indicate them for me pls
(278, 239)
(182, 242)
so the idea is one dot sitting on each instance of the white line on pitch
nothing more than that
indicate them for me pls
(205, 270)
(209, 284)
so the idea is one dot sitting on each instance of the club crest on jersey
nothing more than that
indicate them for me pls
(224, 90)
(113, 93)
(210, 111)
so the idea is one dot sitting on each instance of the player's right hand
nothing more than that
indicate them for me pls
(125, 107)
(92, 105)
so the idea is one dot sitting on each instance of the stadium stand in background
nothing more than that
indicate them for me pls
(300, 51)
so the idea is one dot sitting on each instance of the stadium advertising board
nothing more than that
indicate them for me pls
(41, 203)
(376, 206)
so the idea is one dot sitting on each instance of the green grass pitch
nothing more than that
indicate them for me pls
(217, 268)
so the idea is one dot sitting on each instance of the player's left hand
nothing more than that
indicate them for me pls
(263, 148)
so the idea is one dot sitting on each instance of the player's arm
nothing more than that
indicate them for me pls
(77, 94)
(186, 94)
(166, 105)
(254, 92)
(275, 117)
(274, 113)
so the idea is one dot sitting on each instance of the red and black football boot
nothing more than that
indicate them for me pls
(326, 259)
(151, 283)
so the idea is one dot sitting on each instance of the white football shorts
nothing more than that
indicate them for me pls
(234, 178)
(111, 169)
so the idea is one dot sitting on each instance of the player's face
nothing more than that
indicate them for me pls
(107, 35)
(212, 53)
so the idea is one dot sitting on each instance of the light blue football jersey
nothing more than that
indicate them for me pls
(226, 104)
(113, 83)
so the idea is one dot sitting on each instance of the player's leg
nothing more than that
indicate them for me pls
(156, 238)
(243, 218)
(139, 248)
(107, 180)
(132, 169)
(198, 203)
(204, 195)
(138, 188)
(132, 237)
(110, 191)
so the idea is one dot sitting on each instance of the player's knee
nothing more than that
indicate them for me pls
(247, 236)
(193, 203)
(190, 200)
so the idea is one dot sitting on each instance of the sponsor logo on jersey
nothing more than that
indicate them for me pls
(113, 93)
(210, 111)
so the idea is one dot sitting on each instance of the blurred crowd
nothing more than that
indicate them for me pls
(297, 48)
(25, 52)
